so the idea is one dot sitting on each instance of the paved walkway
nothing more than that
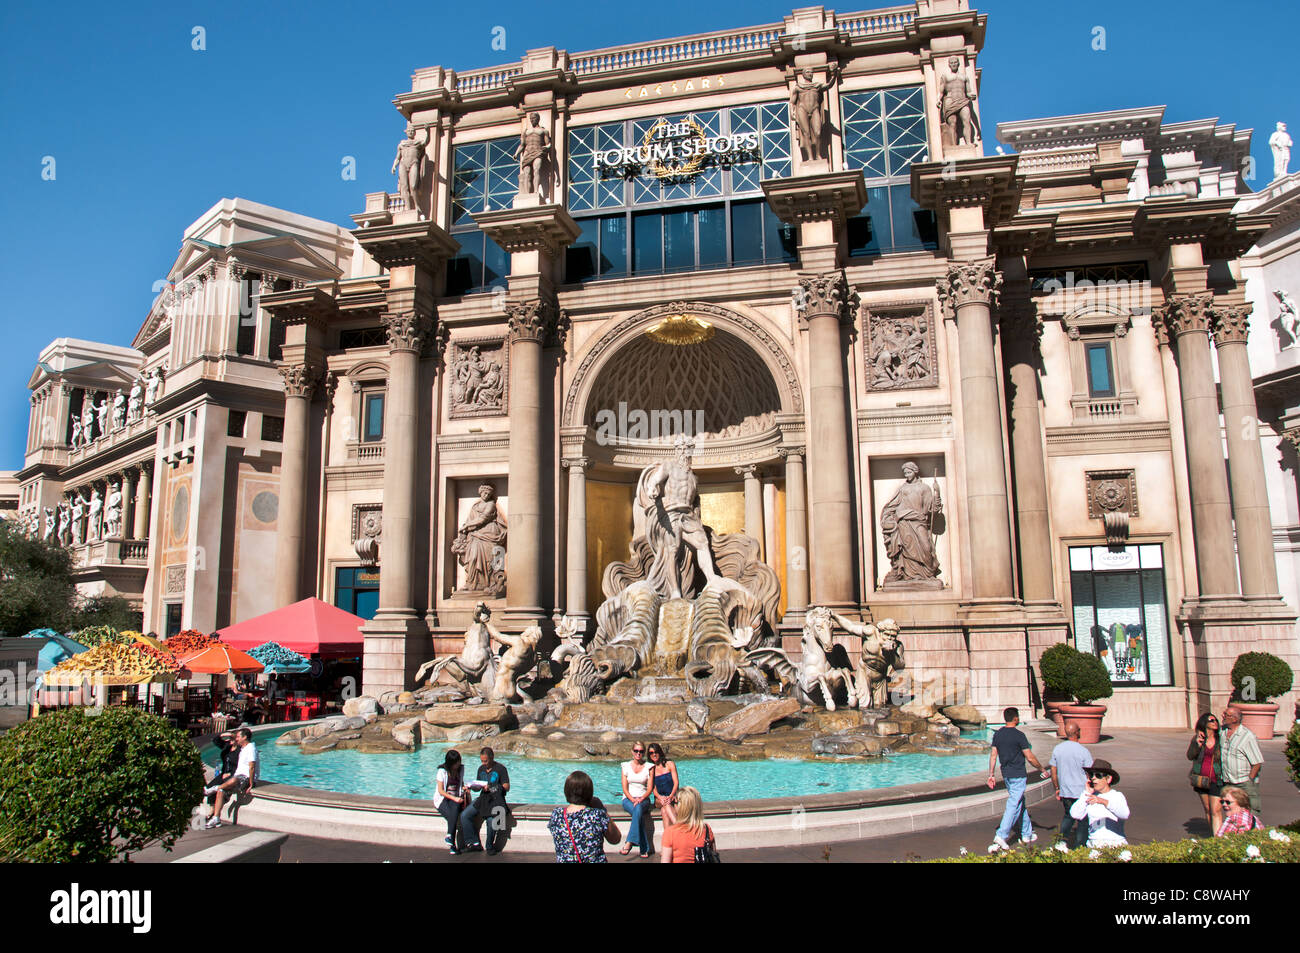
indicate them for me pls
(1151, 762)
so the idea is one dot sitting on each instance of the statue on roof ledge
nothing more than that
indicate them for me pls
(957, 107)
(1280, 143)
(408, 164)
(807, 102)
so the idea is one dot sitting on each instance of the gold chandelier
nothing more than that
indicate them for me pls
(680, 330)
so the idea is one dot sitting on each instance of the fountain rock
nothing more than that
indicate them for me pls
(855, 745)
(454, 716)
(362, 705)
(697, 710)
(965, 716)
(754, 719)
(406, 732)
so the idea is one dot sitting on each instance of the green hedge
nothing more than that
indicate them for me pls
(1268, 675)
(1211, 850)
(1293, 752)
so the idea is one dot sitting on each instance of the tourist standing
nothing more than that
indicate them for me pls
(1241, 759)
(493, 782)
(636, 801)
(1011, 749)
(244, 778)
(1238, 816)
(450, 796)
(582, 827)
(1104, 808)
(666, 783)
(1068, 768)
(1206, 775)
(690, 840)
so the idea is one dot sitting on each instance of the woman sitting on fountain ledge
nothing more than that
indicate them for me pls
(637, 776)
(581, 828)
(666, 783)
(450, 796)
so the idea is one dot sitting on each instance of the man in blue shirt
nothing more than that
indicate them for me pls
(1068, 767)
(1011, 748)
(493, 783)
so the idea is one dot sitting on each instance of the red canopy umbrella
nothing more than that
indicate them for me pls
(309, 627)
(221, 659)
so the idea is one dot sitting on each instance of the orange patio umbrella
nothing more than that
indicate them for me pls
(219, 659)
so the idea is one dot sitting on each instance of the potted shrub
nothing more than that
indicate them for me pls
(1055, 692)
(1293, 753)
(1086, 679)
(1257, 677)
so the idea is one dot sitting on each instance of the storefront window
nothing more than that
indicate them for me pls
(1120, 613)
(356, 590)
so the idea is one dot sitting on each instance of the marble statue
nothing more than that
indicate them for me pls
(1287, 317)
(476, 665)
(515, 667)
(101, 413)
(77, 431)
(673, 519)
(408, 165)
(907, 522)
(135, 403)
(899, 349)
(77, 518)
(581, 679)
(807, 103)
(113, 512)
(87, 420)
(119, 410)
(957, 106)
(152, 385)
(534, 144)
(65, 523)
(880, 656)
(814, 678)
(1280, 143)
(477, 381)
(94, 525)
(49, 523)
(480, 545)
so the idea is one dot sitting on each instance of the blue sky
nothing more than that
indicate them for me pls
(148, 133)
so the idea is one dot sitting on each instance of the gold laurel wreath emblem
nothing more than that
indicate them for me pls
(661, 169)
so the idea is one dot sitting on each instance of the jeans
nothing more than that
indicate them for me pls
(636, 832)
(451, 813)
(1016, 809)
(469, 820)
(1074, 833)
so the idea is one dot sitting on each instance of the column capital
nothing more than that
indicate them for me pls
(408, 330)
(300, 380)
(825, 293)
(1183, 314)
(536, 319)
(795, 453)
(747, 470)
(1020, 321)
(576, 464)
(969, 282)
(1292, 436)
(1231, 323)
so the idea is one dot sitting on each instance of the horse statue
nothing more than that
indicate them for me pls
(815, 671)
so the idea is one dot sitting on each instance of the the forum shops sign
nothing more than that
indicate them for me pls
(676, 150)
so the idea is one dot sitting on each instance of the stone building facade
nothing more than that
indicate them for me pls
(788, 242)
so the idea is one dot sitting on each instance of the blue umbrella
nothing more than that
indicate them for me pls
(56, 648)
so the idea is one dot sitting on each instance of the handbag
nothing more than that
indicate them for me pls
(576, 853)
(708, 854)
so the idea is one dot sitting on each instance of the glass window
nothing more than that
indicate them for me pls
(613, 245)
(747, 232)
(713, 235)
(356, 590)
(580, 257)
(481, 264)
(1119, 612)
(1100, 378)
(647, 242)
(915, 228)
(679, 240)
(780, 240)
(484, 178)
(173, 622)
(372, 414)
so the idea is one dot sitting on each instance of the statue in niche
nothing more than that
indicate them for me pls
(49, 523)
(907, 522)
(87, 419)
(1280, 143)
(101, 413)
(95, 514)
(113, 512)
(135, 403)
(1288, 321)
(481, 544)
(674, 521)
(478, 382)
(65, 523)
(534, 144)
(808, 104)
(119, 410)
(78, 512)
(408, 165)
(957, 107)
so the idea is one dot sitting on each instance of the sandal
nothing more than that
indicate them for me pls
(627, 849)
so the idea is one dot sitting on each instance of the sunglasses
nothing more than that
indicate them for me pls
(638, 750)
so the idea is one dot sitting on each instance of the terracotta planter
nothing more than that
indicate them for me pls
(1087, 717)
(1053, 710)
(1259, 718)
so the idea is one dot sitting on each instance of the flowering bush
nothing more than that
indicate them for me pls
(1278, 845)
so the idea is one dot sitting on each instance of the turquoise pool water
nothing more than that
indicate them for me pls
(411, 774)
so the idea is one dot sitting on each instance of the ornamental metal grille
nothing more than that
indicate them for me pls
(485, 177)
(884, 131)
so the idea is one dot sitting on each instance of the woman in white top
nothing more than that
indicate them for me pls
(1105, 809)
(450, 796)
(636, 801)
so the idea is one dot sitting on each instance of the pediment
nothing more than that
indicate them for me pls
(285, 256)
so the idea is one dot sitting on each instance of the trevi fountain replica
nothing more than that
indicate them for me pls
(686, 651)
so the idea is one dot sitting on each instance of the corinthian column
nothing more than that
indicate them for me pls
(753, 503)
(824, 303)
(576, 555)
(1255, 556)
(140, 514)
(969, 289)
(1186, 318)
(796, 533)
(299, 385)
